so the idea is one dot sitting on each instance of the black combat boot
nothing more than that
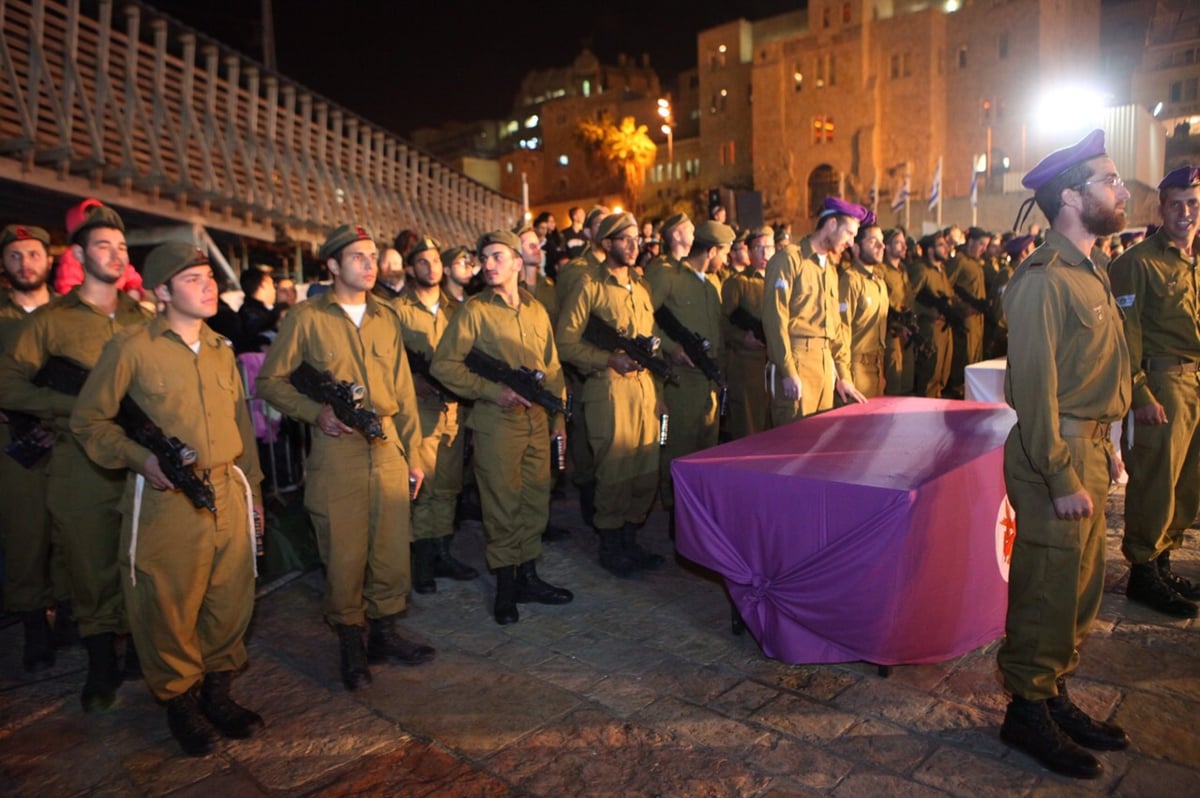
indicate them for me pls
(66, 628)
(613, 557)
(39, 641)
(103, 677)
(1147, 587)
(188, 726)
(641, 558)
(505, 610)
(229, 717)
(1087, 731)
(355, 673)
(445, 566)
(531, 589)
(1184, 587)
(423, 555)
(1028, 727)
(384, 644)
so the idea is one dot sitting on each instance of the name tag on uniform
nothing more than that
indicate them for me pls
(842, 307)
(781, 284)
(1126, 300)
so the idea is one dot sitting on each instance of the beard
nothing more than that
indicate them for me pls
(1101, 221)
(26, 285)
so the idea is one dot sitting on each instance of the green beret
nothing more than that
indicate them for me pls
(714, 234)
(96, 216)
(521, 227)
(766, 231)
(453, 254)
(423, 244)
(340, 238)
(21, 232)
(592, 214)
(742, 236)
(510, 240)
(167, 260)
(673, 221)
(614, 224)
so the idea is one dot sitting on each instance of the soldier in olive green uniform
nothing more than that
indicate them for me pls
(898, 359)
(425, 311)
(187, 573)
(678, 235)
(512, 434)
(1068, 380)
(807, 344)
(966, 275)
(928, 282)
(692, 294)
(358, 489)
(1156, 283)
(28, 587)
(863, 297)
(749, 408)
(619, 398)
(82, 496)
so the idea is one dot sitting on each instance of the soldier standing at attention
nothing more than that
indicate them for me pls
(678, 234)
(1156, 283)
(82, 495)
(188, 574)
(358, 489)
(1068, 380)
(425, 312)
(863, 295)
(28, 588)
(620, 398)
(898, 353)
(512, 434)
(967, 277)
(929, 285)
(807, 343)
(746, 355)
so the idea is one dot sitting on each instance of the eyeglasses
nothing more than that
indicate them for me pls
(625, 240)
(1112, 181)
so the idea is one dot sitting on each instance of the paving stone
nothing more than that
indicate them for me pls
(743, 699)
(1169, 673)
(567, 673)
(226, 783)
(1149, 778)
(801, 763)
(881, 746)
(414, 768)
(803, 718)
(963, 773)
(160, 769)
(859, 784)
(893, 701)
(1165, 728)
(622, 694)
(699, 725)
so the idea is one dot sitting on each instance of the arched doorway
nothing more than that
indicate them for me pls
(822, 182)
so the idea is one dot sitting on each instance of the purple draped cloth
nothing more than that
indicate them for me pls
(873, 532)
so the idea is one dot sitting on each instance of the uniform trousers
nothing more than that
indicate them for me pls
(34, 575)
(694, 423)
(814, 364)
(442, 440)
(512, 467)
(624, 430)
(749, 406)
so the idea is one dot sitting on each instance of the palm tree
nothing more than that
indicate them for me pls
(623, 149)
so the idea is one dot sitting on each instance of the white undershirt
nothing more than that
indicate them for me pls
(356, 313)
(195, 347)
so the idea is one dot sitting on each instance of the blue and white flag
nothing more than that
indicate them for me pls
(974, 188)
(935, 193)
(902, 196)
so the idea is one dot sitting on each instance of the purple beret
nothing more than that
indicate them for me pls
(1016, 245)
(837, 205)
(1089, 147)
(1183, 177)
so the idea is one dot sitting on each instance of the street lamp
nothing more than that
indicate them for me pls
(664, 110)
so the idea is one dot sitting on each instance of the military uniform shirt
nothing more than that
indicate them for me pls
(864, 307)
(801, 301)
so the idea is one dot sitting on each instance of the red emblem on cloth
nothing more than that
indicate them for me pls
(361, 232)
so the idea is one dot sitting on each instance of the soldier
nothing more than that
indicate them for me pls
(807, 344)
(619, 398)
(358, 488)
(425, 311)
(1068, 380)
(738, 260)
(187, 573)
(1016, 249)
(543, 288)
(1155, 284)
(512, 434)
(589, 262)
(678, 235)
(936, 312)
(863, 302)
(898, 360)
(82, 496)
(749, 408)
(460, 269)
(28, 588)
(967, 278)
(691, 293)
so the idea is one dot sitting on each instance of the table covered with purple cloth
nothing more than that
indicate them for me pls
(877, 532)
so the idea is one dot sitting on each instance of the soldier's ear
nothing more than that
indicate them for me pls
(162, 293)
(77, 251)
(334, 266)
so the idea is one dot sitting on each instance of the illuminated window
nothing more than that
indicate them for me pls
(563, 160)
(798, 79)
(822, 128)
(962, 57)
(532, 121)
(587, 88)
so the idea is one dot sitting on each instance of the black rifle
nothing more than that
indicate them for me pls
(344, 397)
(980, 305)
(697, 348)
(745, 320)
(25, 446)
(943, 305)
(525, 381)
(419, 364)
(641, 349)
(906, 320)
(175, 458)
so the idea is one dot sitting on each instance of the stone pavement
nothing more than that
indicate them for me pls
(637, 688)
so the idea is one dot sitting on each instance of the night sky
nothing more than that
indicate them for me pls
(407, 65)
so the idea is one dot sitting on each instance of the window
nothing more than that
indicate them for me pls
(832, 71)
(587, 88)
(895, 65)
(1002, 46)
(846, 13)
(987, 112)
(822, 129)
(825, 18)
(1176, 91)
(907, 61)
(820, 72)
(962, 57)
(726, 154)
(1189, 89)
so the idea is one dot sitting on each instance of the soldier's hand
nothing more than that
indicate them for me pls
(1150, 414)
(1116, 469)
(848, 392)
(416, 478)
(154, 474)
(43, 436)
(1074, 506)
(622, 363)
(509, 398)
(680, 358)
(330, 424)
(750, 341)
(791, 388)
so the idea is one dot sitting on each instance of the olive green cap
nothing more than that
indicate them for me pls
(167, 260)
(23, 232)
(673, 221)
(614, 224)
(714, 234)
(341, 237)
(453, 254)
(95, 215)
(508, 239)
(423, 244)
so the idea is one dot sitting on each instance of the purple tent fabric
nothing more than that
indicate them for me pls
(871, 532)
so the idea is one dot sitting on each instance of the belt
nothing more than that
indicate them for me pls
(217, 471)
(810, 344)
(1171, 365)
(1083, 428)
(869, 358)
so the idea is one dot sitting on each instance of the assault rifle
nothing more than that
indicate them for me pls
(906, 320)
(25, 431)
(697, 347)
(525, 381)
(943, 305)
(419, 364)
(745, 320)
(641, 348)
(175, 458)
(344, 397)
(980, 305)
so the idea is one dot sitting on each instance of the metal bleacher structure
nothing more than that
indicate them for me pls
(121, 103)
